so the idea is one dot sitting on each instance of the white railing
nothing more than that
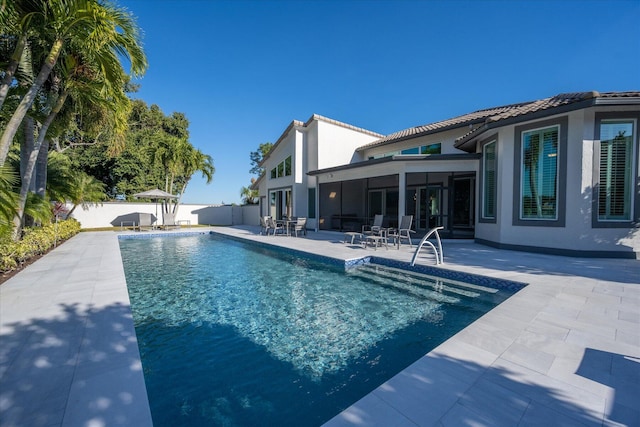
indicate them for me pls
(437, 251)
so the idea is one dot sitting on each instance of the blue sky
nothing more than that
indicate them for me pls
(241, 71)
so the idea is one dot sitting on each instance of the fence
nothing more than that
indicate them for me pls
(117, 214)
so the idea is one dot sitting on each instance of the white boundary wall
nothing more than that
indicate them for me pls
(115, 213)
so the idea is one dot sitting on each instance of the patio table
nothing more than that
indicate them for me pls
(353, 235)
(290, 223)
(377, 240)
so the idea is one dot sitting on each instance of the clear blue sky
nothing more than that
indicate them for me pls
(241, 71)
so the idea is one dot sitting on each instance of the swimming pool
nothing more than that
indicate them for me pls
(234, 334)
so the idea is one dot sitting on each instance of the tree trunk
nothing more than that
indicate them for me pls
(27, 174)
(29, 130)
(27, 100)
(166, 203)
(12, 67)
(41, 168)
(25, 149)
(179, 199)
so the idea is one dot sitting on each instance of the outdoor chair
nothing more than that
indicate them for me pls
(264, 225)
(404, 231)
(300, 225)
(276, 226)
(145, 222)
(374, 229)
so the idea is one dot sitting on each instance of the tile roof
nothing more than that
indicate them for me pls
(482, 120)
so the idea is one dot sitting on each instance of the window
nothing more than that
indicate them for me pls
(489, 180)
(311, 212)
(540, 173)
(287, 166)
(613, 180)
(539, 195)
(616, 144)
(423, 149)
(414, 150)
(283, 169)
(431, 149)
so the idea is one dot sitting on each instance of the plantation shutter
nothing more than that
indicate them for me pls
(489, 180)
(549, 176)
(540, 174)
(614, 197)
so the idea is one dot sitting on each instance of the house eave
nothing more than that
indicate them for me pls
(398, 158)
(421, 134)
(468, 142)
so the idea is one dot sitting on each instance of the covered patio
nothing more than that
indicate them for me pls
(437, 190)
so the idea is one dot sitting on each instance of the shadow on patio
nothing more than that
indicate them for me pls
(79, 367)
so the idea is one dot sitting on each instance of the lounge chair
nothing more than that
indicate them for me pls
(404, 231)
(169, 220)
(300, 225)
(374, 229)
(145, 222)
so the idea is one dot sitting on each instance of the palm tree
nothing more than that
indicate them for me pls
(249, 195)
(16, 17)
(189, 161)
(99, 32)
(85, 89)
(87, 191)
(82, 85)
(90, 69)
(8, 198)
(59, 178)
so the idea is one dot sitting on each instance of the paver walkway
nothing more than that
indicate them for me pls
(68, 349)
(563, 351)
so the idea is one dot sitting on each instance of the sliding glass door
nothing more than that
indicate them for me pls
(425, 204)
(280, 203)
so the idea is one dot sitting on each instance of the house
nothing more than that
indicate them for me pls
(558, 175)
(287, 189)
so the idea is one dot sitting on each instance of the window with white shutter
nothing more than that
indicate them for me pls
(616, 171)
(539, 176)
(489, 180)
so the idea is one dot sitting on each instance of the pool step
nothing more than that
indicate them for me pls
(395, 272)
(404, 286)
(423, 285)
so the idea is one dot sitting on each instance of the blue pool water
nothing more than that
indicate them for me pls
(232, 334)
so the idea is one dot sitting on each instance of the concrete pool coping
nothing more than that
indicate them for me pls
(564, 350)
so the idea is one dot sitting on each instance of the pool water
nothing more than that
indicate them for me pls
(232, 334)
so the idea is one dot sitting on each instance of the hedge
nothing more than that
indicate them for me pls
(36, 241)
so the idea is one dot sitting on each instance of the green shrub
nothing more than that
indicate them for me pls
(35, 241)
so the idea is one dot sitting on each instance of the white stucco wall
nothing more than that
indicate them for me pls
(318, 139)
(114, 213)
(578, 233)
(446, 139)
(337, 144)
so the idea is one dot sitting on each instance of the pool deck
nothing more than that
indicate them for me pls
(563, 351)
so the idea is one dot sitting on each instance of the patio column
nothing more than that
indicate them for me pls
(402, 194)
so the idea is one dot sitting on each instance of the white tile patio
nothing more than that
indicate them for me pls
(563, 351)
